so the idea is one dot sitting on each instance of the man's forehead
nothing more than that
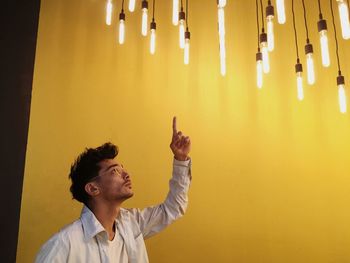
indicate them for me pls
(108, 162)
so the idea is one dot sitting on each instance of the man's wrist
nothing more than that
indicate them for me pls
(181, 158)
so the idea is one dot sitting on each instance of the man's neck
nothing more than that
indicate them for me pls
(106, 215)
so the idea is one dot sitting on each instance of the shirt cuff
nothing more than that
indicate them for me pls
(186, 163)
(182, 169)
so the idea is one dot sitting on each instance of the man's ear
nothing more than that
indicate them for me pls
(92, 189)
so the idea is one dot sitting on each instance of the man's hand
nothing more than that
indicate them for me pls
(180, 144)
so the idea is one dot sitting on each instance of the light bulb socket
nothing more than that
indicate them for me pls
(263, 37)
(321, 25)
(218, 3)
(309, 49)
(181, 15)
(298, 68)
(122, 16)
(258, 56)
(270, 11)
(153, 25)
(187, 35)
(144, 4)
(340, 80)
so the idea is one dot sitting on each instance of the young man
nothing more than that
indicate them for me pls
(106, 232)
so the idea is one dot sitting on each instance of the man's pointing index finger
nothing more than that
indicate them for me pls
(174, 126)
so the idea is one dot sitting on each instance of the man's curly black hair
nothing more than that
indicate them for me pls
(86, 167)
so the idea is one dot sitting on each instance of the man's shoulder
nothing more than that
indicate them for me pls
(130, 212)
(72, 228)
(58, 245)
(131, 215)
(67, 232)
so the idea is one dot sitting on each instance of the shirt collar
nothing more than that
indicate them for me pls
(91, 225)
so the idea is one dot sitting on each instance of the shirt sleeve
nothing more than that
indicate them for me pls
(155, 218)
(55, 250)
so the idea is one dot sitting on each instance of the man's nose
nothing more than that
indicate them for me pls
(125, 175)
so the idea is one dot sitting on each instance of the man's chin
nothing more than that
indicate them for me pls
(126, 196)
(129, 195)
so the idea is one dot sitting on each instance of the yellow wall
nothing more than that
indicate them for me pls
(270, 174)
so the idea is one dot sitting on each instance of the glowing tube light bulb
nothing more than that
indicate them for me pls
(153, 37)
(187, 47)
(132, 5)
(281, 11)
(299, 73)
(322, 30)
(310, 64)
(222, 55)
(175, 12)
(270, 14)
(144, 24)
(259, 70)
(265, 53)
(121, 27)
(221, 21)
(223, 66)
(341, 93)
(182, 29)
(109, 9)
(344, 18)
(221, 3)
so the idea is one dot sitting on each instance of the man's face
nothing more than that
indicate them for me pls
(114, 181)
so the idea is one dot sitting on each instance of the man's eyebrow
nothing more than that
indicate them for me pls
(111, 166)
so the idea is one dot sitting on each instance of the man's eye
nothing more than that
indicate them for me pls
(115, 171)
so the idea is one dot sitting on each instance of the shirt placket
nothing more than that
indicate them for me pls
(103, 249)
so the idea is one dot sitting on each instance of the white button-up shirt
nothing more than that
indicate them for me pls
(85, 240)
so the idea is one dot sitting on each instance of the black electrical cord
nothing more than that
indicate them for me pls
(335, 37)
(187, 15)
(295, 32)
(305, 21)
(319, 7)
(262, 16)
(257, 22)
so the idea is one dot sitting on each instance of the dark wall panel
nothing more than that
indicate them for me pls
(19, 25)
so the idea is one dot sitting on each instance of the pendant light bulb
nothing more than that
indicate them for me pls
(341, 93)
(222, 55)
(299, 75)
(109, 8)
(222, 48)
(182, 29)
(175, 12)
(121, 27)
(187, 47)
(221, 21)
(270, 14)
(221, 3)
(259, 69)
(281, 11)
(265, 53)
(310, 64)
(144, 8)
(132, 5)
(153, 37)
(344, 18)
(322, 30)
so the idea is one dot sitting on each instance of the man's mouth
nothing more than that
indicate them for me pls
(128, 184)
